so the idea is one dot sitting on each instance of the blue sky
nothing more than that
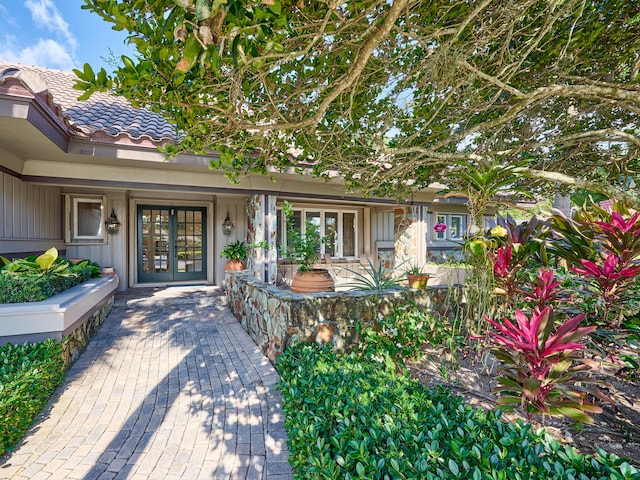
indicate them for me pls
(57, 34)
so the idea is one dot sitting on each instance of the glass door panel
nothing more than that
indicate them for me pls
(331, 233)
(349, 234)
(171, 243)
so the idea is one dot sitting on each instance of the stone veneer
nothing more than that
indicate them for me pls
(76, 342)
(276, 318)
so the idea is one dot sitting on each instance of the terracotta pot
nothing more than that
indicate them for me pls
(234, 266)
(316, 280)
(417, 282)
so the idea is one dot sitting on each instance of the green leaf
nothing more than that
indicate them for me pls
(453, 466)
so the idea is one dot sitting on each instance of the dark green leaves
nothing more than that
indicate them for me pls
(350, 418)
(28, 375)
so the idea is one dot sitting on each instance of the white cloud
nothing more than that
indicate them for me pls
(44, 53)
(46, 15)
(6, 17)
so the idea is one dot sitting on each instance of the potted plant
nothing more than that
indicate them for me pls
(417, 278)
(235, 253)
(304, 250)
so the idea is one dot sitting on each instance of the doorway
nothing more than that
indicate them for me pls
(172, 243)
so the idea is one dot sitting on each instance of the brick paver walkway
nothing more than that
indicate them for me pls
(171, 387)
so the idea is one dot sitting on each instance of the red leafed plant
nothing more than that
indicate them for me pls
(611, 280)
(545, 290)
(540, 369)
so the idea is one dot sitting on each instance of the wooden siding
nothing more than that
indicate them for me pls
(385, 227)
(29, 211)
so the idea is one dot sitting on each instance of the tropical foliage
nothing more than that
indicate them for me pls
(538, 371)
(235, 251)
(375, 278)
(33, 279)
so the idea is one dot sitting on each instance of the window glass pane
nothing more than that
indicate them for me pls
(89, 218)
(314, 218)
(297, 223)
(331, 232)
(455, 229)
(349, 234)
(441, 219)
(279, 232)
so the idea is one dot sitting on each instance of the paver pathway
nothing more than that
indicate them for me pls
(171, 387)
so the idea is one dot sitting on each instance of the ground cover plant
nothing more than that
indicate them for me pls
(29, 373)
(352, 417)
(33, 279)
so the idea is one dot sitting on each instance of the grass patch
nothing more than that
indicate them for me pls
(348, 417)
(29, 373)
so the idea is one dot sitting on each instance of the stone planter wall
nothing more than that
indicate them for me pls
(71, 317)
(76, 342)
(275, 318)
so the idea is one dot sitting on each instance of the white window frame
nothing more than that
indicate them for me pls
(71, 214)
(339, 253)
(446, 219)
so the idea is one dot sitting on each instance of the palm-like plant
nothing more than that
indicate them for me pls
(482, 184)
(375, 278)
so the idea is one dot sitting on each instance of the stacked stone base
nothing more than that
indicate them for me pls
(276, 318)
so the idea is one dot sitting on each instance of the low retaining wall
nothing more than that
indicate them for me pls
(71, 317)
(274, 318)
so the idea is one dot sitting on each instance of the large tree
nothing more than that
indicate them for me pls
(392, 94)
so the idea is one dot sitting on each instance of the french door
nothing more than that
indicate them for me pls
(172, 243)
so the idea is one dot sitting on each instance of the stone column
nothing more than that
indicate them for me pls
(261, 213)
(272, 234)
(255, 233)
(406, 237)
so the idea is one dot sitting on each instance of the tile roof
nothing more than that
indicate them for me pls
(102, 113)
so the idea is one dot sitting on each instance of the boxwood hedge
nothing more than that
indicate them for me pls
(347, 418)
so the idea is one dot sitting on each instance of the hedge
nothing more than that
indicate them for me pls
(347, 417)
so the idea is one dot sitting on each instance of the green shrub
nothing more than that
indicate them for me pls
(29, 373)
(399, 335)
(350, 418)
(18, 287)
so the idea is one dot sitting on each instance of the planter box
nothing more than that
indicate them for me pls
(58, 316)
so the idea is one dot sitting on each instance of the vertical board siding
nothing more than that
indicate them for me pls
(385, 226)
(29, 211)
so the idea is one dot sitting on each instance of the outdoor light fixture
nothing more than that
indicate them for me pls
(227, 225)
(112, 223)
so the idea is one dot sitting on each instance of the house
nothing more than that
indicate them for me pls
(67, 167)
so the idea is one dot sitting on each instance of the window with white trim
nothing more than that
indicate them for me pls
(338, 226)
(85, 219)
(456, 226)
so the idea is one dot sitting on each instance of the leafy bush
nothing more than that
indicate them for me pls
(349, 418)
(33, 279)
(399, 335)
(29, 373)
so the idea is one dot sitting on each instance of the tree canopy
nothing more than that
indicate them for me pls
(391, 94)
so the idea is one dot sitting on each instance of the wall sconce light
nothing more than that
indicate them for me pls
(227, 225)
(112, 223)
